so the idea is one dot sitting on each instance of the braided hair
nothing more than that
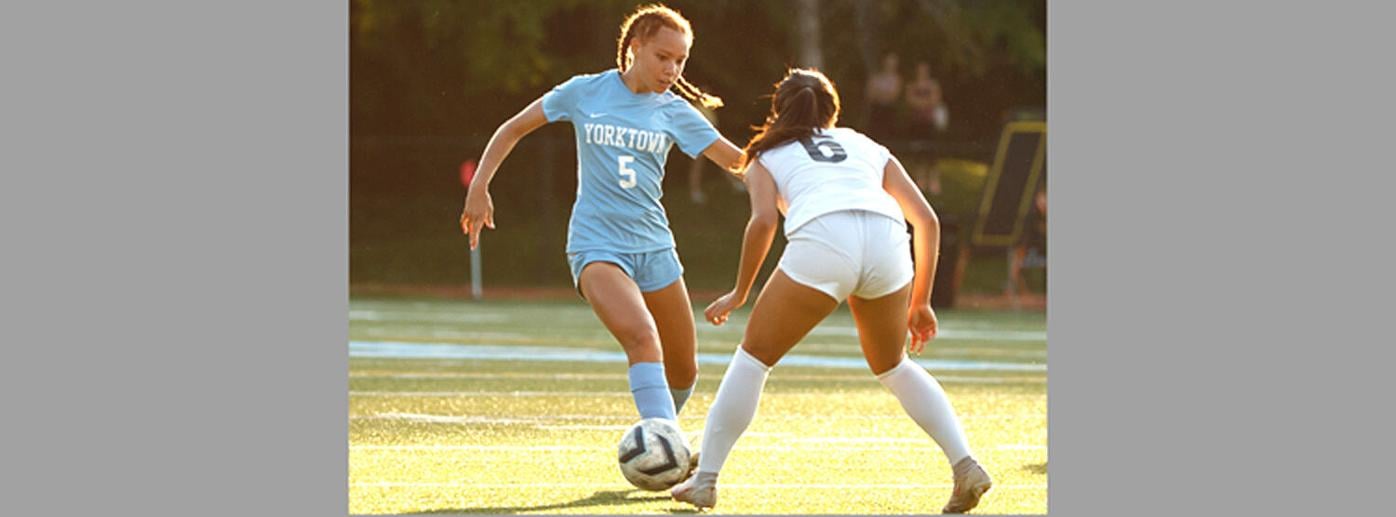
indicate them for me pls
(645, 22)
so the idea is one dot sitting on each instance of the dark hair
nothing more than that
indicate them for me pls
(805, 100)
(645, 22)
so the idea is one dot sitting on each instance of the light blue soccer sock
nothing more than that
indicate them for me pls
(651, 391)
(681, 396)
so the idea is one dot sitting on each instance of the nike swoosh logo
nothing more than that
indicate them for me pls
(594, 115)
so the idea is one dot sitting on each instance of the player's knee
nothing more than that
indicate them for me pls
(880, 366)
(681, 375)
(767, 358)
(638, 338)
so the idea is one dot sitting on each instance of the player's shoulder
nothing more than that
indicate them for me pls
(672, 103)
(847, 133)
(852, 137)
(589, 80)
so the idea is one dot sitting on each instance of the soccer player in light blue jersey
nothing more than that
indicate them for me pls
(619, 245)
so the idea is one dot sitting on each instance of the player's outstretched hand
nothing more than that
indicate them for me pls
(718, 310)
(921, 321)
(478, 213)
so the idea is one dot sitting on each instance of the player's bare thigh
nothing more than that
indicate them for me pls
(617, 301)
(882, 328)
(784, 313)
(673, 316)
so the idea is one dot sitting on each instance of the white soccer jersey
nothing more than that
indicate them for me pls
(836, 169)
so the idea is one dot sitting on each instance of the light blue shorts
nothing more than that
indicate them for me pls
(651, 271)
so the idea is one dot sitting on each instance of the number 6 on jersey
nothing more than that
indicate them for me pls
(627, 175)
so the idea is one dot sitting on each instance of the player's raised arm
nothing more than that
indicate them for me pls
(760, 231)
(479, 207)
(921, 318)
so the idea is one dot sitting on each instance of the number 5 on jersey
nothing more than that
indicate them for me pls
(627, 174)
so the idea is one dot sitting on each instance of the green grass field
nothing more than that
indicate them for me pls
(524, 412)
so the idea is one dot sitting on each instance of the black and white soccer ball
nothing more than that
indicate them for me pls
(653, 454)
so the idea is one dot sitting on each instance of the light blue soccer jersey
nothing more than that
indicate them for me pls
(623, 140)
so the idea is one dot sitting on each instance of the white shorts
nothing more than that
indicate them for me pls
(851, 252)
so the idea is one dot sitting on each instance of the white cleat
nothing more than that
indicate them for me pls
(699, 490)
(970, 484)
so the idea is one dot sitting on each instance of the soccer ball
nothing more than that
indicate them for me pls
(653, 455)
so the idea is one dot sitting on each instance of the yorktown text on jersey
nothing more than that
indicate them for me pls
(627, 137)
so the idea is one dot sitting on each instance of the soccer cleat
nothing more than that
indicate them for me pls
(970, 483)
(699, 490)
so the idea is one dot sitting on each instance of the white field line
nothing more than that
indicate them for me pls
(986, 351)
(583, 427)
(438, 448)
(621, 425)
(1021, 447)
(731, 331)
(857, 440)
(776, 377)
(423, 316)
(494, 375)
(951, 333)
(977, 332)
(983, 333)
(400, 350)
(528, 418)
(487, 394)
(499, 447)
(436, 333)
(553, 423)
(541, 419)
(804, 446)
(849, 347)
(541, 422)
(746, 486)
(447, 394)
(448, 419)
(933, 349)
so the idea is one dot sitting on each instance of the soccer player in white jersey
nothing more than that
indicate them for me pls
(846, 202)
(619, 245)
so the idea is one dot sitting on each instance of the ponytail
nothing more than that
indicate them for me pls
(804, 102)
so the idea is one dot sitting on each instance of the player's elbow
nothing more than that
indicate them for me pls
(512, 129)
(522, 124)
(923, 217)
(735, 159)
(763, 222)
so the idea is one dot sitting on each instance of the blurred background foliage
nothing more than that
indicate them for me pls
(430, 81)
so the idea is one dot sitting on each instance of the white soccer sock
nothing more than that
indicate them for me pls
(922, 398)
(733, 409)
